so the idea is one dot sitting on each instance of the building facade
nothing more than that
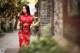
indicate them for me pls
(60, 17)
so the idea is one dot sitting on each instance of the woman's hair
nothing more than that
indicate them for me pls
(27, 8)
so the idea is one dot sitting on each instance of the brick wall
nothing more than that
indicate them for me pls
(50, 16)
(58, 17)
(46, 16)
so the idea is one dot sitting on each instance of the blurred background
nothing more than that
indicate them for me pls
(59, 19)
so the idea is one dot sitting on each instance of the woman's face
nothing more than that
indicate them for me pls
(24, 9)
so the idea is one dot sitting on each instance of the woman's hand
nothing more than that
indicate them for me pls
(39, 20)
(18, 27)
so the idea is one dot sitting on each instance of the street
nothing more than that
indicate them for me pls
(9, 42)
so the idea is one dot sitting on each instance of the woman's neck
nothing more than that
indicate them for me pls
(25, 14)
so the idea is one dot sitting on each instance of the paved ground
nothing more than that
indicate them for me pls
(10, 43)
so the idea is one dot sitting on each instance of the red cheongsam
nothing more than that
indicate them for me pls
(24, 31)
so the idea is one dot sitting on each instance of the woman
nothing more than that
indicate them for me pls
(25, 22)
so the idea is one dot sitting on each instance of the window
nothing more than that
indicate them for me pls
(72, 7)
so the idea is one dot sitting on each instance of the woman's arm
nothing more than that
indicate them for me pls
(35, 24)
(18, 25)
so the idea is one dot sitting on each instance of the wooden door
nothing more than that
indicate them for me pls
(71, 14)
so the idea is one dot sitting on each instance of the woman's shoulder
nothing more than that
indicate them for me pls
(30, 15)
(21, 16)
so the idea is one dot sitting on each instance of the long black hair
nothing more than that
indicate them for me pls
(27, 8)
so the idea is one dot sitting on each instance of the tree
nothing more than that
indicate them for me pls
(8, 11)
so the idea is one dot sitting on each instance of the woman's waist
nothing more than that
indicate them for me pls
(25, 28)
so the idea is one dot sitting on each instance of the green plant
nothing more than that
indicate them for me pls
(43, 45)
(46, 30)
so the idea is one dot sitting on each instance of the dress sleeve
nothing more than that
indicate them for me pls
(19, 18)
(32, 19)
